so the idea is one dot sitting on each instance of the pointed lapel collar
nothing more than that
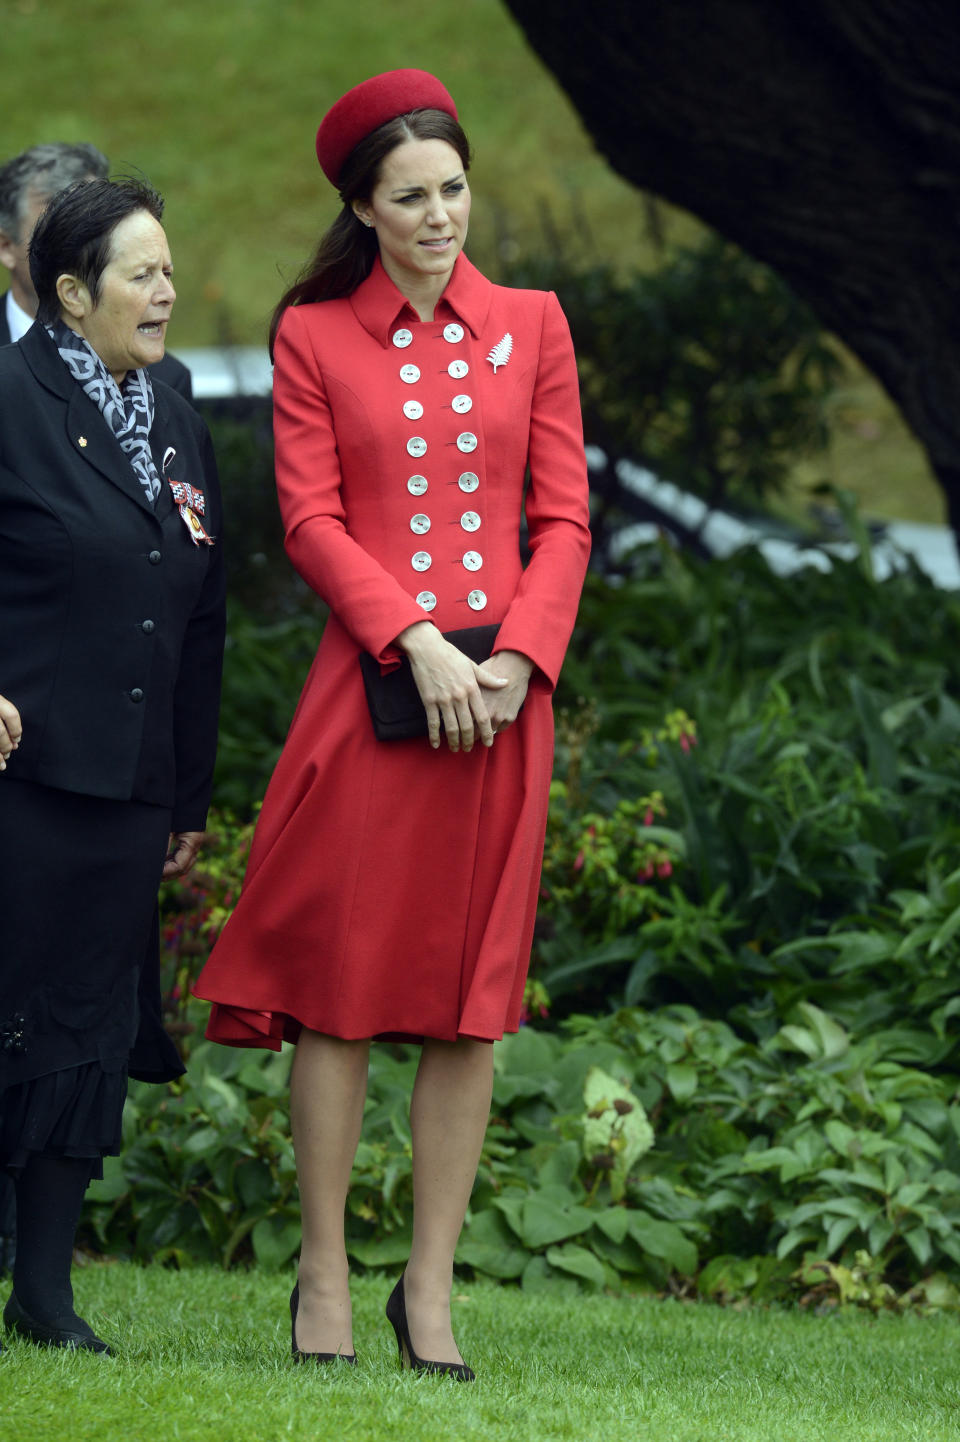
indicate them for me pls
(88, 434)
(379, 305)
(467, 295)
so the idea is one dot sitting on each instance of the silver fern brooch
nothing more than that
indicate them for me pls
(501, 352)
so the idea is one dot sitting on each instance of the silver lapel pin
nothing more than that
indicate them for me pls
(501, 352)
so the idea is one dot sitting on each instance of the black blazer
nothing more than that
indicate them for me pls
(111, 619)
(171, 371)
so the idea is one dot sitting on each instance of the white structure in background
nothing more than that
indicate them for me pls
(237, 370)
(246, 371)
(932, 547)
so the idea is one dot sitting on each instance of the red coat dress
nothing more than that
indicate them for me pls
(391, 888)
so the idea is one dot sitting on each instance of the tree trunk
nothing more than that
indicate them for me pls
(821, 135)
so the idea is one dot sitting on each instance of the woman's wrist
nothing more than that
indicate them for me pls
(413, 639)
(519, 661)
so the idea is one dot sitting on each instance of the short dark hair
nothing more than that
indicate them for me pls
(43, 170)
(347, 250)
(73, 236)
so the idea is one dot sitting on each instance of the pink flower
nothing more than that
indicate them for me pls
(578, 863)
(648, 816)
(646, 872)
(664, 868)
(685, 742)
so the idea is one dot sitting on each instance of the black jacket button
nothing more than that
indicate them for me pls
(136, 694)
(147, 627)
(154, 558)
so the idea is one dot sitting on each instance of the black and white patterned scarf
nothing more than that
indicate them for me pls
(127, 409)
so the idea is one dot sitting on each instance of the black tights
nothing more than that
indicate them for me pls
(49, 1199)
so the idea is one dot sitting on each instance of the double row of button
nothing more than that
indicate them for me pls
(417, 446)
(420, 524)
(417, 485)
(467, 481)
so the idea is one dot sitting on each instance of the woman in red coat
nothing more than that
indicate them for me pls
(392, 885)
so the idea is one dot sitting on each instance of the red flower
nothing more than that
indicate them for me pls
(664, 868)
(578, 862)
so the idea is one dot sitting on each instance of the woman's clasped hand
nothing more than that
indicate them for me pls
(10, 730)
(451, 688)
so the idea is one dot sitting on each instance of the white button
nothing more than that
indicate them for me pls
(477, 600)
(462, 404)
(413, 410)
(470, 521)
(402, 338)
(420, 524)
(473, 560)
(427, 600)
(458, 369)
(451, 332)
(469, 481)
(416, 485)
(416, 446)
(466, 441)
(421, 560)
(409, 373)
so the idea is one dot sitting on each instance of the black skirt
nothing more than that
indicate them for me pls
(79, 993)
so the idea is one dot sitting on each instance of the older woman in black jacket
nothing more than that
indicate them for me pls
(111, 597)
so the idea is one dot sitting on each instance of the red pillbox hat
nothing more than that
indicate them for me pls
(371, 104)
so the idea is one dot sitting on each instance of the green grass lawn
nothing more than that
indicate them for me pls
(205, 1355)
(218, 105)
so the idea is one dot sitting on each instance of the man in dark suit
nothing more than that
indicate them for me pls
(27, 183)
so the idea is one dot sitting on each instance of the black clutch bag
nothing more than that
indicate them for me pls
(395, 707)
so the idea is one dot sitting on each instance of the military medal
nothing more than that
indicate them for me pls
(190, 503)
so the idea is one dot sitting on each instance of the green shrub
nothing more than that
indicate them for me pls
(809, 1146)
(784, 756)
(708, 370)
(823, 785)
(265, 666)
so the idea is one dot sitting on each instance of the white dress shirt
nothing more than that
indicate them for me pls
(17, 319)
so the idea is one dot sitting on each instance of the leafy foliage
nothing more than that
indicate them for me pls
(812, 827)
(708, 370)
(808, 1146)
(265, 665)
(750, 881)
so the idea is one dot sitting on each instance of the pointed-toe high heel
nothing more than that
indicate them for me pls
(397, 1317)
(299, 1356)
(18, 1320)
